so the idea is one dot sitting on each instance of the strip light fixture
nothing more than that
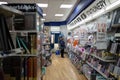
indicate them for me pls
(43, 19)
(66, 6)
(3, 3)
(42, 5)
(44, 14)
(59, 14)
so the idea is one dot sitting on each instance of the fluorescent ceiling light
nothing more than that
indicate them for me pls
(43, 19)
(3, 3)
(44, 14)
(59, 14)
(66, 6)
(42, 5)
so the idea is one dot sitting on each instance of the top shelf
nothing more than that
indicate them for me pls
(7, 11)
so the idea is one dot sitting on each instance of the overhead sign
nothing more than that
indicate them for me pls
(24, 7)
(27, 7)
(90, 11)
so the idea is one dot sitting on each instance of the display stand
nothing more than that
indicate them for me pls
(101, 42)
(26, 63)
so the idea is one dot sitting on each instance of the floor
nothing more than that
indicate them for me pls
(62, 69)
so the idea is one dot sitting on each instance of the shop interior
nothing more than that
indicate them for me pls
(30, 33)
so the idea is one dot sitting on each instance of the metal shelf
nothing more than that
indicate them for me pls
(13, 52)
(17, 52)
(8, 11)
(27, 55)
(97, 70)
(45, 44)
(25, 31)
(102, 58)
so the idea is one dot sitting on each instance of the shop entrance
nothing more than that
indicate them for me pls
(54, 39)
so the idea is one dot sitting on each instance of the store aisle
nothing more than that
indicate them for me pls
(62, 69)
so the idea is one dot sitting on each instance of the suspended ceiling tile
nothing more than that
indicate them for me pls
(52, 9)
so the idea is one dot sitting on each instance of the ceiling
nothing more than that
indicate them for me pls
(52, 9)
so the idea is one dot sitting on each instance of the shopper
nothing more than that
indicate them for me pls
(62, 46)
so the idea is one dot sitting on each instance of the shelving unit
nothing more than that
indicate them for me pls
(102, 58)
(28, 65)
(101, 41)
(27, 55)
(23, 31)
(97, 70)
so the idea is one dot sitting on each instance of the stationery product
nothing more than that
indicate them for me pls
(5, 37)
(118, 63)
(114, 48)
(109, 44)
(32, 39)
(111, 68)
(116, 70)
(99, 66)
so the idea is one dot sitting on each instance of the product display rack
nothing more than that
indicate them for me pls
(46, 51)
(97, 70)
(27, 64)
(76, 59)
(33, 53)
(102, 60)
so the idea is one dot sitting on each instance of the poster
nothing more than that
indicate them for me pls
(101, 35)
(101, 31)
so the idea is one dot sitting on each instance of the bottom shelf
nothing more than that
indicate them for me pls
(17, 68)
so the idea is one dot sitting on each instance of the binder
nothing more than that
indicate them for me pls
(6, 39)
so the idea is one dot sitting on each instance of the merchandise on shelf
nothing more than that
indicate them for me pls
(16, 65)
